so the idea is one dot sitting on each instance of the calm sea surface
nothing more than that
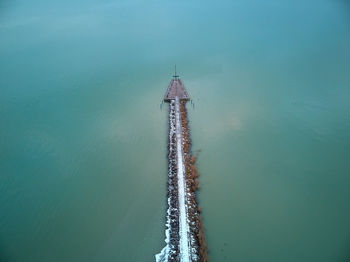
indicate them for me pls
(83, 140)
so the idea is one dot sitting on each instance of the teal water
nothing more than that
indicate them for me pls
(83, 140)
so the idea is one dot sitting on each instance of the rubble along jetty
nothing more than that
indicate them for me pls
(185, 241)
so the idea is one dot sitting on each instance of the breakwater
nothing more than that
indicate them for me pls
(185, 239)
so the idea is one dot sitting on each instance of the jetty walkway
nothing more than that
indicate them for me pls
(185, 244)
(184, 236)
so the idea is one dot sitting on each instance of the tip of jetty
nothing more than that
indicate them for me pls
(176, 89)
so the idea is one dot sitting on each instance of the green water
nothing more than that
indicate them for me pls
(83, 140)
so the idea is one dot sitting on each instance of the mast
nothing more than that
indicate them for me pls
(175, 76)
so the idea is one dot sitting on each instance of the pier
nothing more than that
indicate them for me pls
(185, 240)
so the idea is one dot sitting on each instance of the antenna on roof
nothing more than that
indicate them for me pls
(175, 76)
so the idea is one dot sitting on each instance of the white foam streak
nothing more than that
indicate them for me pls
(163, 256)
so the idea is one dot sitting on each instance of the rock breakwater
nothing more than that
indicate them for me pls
(185, 239)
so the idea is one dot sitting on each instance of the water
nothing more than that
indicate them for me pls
(83, 142)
